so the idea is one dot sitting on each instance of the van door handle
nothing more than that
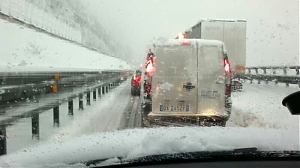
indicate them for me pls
(188, 86)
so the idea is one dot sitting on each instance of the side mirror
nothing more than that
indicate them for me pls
(292, 102)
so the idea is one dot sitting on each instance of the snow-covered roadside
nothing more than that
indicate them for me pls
(104, 114)
(24, 49)
(272, 128)
(260, 106)
(141, 142)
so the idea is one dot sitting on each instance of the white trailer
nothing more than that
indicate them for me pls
(233, 34)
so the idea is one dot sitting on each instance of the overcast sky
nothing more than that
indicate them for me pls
(272, 30)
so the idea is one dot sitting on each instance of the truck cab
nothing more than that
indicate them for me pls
(191, 84)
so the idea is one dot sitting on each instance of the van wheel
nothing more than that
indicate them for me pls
(223, 123)
(146, 123)
(132, 92)
(145, 109)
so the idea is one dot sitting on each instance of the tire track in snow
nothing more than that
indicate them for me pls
(240, 118)
(102, 116)
(260, 106)
(118, 108)
(132, 118)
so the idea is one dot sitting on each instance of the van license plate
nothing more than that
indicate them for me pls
(171, 108)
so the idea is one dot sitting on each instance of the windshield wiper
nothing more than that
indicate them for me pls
(99, 161)
(241, 154)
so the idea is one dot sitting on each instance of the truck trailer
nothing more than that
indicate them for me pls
(233, 34)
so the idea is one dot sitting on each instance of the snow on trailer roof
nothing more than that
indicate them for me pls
(223, 20)
(214, 20)
(194, 42)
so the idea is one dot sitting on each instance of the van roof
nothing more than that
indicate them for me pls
(194, 42)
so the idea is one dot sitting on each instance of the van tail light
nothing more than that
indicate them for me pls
(150, 66)
(180, 36)
(226, 65)
(227, 74)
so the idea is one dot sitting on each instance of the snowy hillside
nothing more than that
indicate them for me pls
(74, 13)
(25, 49)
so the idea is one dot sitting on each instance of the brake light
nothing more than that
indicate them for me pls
(149, 66)
(226, 65)
(148, 89)
(180, 36)
(136, 80)
(227, 71)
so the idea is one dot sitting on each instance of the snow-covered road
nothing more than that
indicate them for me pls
(257, 106)
(109, 113)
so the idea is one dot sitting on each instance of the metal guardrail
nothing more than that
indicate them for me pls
(23, 85)
(274, 68)
(26, 12)
(290, 74)
(54, 103)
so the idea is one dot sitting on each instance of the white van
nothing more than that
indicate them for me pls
(191, 83)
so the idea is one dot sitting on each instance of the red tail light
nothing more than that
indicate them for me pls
(150, 66)
(148, 89)
(226, 65)
(227, 72)
(136, 80)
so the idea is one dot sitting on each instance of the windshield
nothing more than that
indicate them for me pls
(83, 80)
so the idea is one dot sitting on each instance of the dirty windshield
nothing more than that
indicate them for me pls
(110, 80)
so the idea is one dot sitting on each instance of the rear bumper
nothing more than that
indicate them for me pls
(186, 118)
(196, 120)
(135, 88)
(182, 115)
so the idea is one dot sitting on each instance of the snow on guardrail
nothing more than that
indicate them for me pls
(276, 74)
